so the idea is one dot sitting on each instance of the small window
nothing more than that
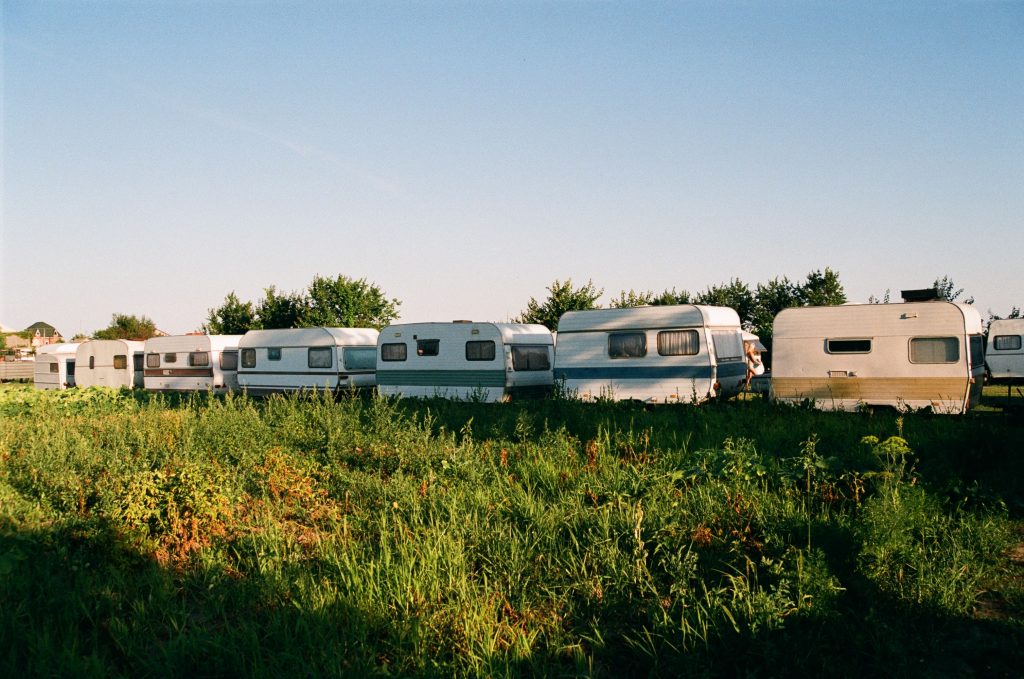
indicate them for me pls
(728, 345)
(152, 360)
(428, 347)
(360, 358)
(55, 367)
(229, 360)
(170, 358)
(92, 362)
(480, 351)
(934, 350)
(525, 358)
(320, 357)
(1006, 343)
(274, 353)
(848, 346)
(627, 345)
(394, 351)
(198, 359)
(120, 362)
(248, 358)
(977, 348)
(678, 343)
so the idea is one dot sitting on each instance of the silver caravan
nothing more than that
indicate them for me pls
(908, 355)
(1005, 354)
(465, 360)
(657, 354)
(55, 366)
(109, 363)
(294, 359)
(192, 363)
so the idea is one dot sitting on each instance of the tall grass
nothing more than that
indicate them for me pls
(226, 536)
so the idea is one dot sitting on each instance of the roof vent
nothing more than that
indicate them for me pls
(923, 295)
(458, 320)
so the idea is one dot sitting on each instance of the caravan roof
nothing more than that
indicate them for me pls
(309, 337)
(648, 318)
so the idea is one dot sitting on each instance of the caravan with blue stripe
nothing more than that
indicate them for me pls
(659, 354)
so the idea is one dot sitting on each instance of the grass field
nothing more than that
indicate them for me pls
(201, 536)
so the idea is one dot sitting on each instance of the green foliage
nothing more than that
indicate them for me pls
(562, 297)
(280, 310)
(233, 317)
(769, 299)
(127, 326)
(822, 289)
(140, 536)
(947, 290)
(348, 303)
(635, 299)
(735, 294)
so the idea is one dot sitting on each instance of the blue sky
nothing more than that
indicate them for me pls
(463, 155)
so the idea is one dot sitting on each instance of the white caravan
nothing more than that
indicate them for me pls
(293, 359)
(1005, 354)
(192, 363)
(55, 366)
(109, 363)
(465, 360)
(655, 354)
(907, 355)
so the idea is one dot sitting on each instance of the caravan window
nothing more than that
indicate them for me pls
(1006, 343)
(199, 359)
(934, 350)
(526, 358)
(627, 345)
(170, 358)
(92, 362)
(428, 347)
(360, 358)
(55, 367)
(152, 360)
(977, 348)
(229, 360)
(480, 351)
(320, 357)
(678, 343)
(394, 351)
(120, 362)
(248, 358)
(848, 346)
(728, 344)
(273, 353)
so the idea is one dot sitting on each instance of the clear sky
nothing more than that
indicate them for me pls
(463, 155)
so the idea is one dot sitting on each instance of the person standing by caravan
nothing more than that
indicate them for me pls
(752, 353)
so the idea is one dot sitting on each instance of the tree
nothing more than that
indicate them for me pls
(80, 337)
(769, 299)
(634, 299)
(735, 294)
(348, 303)
(562, 297)
(822, 289)
(280, 310)
(947, 290)
(126, 326)
(233, 317)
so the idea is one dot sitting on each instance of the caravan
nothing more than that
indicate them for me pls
(465, 360)
(192, 363)
(908, 355)
(293, 359)
(55, 366)
(1005, 354)
(109, 363)
(656, 354)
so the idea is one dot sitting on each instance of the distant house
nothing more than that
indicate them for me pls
(43, 333)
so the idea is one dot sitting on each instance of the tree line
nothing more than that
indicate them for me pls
(356, 303)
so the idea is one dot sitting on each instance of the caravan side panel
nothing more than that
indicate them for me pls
(1005, 354)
